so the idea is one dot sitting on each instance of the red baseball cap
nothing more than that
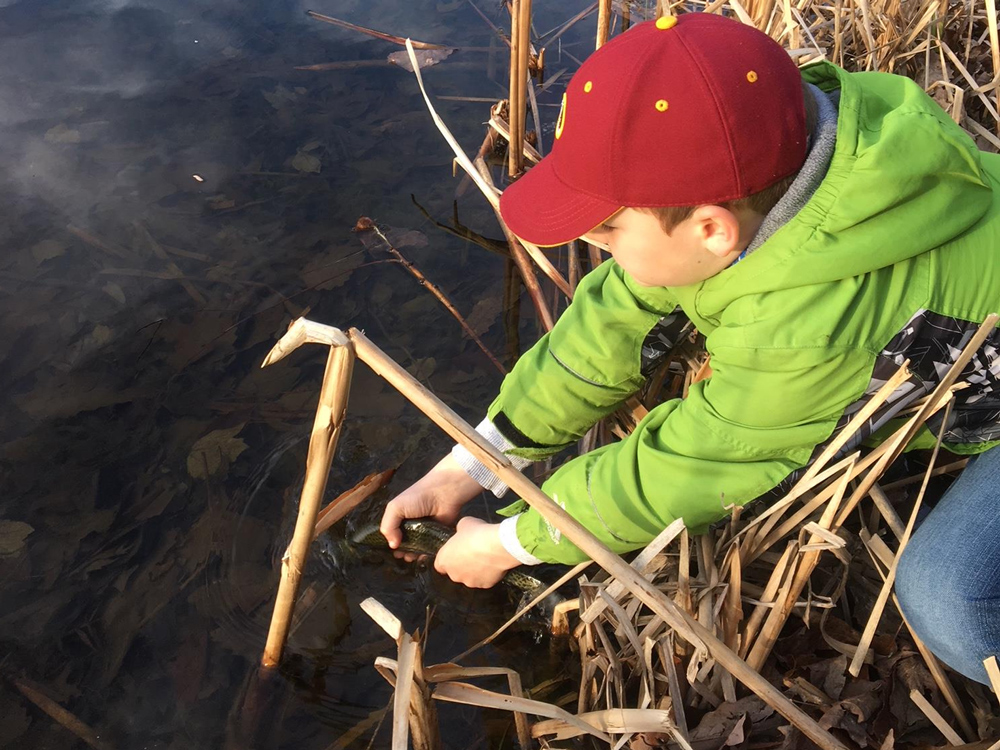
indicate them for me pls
(680, 111)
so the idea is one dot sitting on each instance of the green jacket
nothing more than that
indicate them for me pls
(894, 256)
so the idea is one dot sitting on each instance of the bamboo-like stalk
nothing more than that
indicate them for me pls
(936, 718)
(524, 54)
(993, 672)
(656, 600)
(892, 519)
(61, 715)
(515, 157)
(603, 22)
(991, 16)
(322, 444)
(951, 468)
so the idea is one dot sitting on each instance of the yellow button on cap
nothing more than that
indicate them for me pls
(588, 86)
(662, 105)
(752, 76)
(666, 22)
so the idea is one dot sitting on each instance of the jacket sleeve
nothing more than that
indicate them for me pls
(585, 367)
(735, 436)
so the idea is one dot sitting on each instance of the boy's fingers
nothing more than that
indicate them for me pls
(389, 525)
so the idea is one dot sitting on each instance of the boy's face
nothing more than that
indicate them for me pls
(704, 244)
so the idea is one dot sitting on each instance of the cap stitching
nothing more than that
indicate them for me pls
(718, 111)
(636, 64)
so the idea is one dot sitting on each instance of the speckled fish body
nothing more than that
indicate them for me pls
(426, 537)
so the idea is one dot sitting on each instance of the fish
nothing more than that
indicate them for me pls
(424, 536)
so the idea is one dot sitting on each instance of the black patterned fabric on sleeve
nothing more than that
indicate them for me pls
(668, 331)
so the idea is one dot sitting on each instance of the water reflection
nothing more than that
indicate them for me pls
(172, 194)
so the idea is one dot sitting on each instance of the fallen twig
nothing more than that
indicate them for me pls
(61, 715)
(367, 225)
(371, 32)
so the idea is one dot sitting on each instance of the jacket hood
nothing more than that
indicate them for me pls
(904, 179)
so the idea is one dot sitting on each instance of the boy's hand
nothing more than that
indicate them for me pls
(440, 495)
(474, 556)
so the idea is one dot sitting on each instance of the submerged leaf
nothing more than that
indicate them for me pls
(12, 536)
(280, 97)
(62, 133)
(47, 249)
(306, 162)
(213, 453)
(114, 291)
(425, 58)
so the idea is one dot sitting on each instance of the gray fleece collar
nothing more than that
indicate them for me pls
(824, 139)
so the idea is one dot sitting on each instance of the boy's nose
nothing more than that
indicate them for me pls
(599, 238)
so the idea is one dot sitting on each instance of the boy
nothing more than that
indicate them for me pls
(815, 250)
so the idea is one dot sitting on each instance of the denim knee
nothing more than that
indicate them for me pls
(945, 609)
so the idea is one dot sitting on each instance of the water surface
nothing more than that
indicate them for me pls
(172, 194)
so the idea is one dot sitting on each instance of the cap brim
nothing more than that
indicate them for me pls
(541, 209)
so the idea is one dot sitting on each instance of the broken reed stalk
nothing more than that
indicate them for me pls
(935, 718)
(322, 444)
(413, 713)
(472, 695)
(501, 126)
(806, 564)
(365, 224)
(349, 500)
(603, 22)
(892, 519)
(61, 715)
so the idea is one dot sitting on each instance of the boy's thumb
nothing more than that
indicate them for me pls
(390, 527)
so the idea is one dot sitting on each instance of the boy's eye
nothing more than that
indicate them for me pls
(608, 228)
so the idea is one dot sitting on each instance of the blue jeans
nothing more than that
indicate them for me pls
(948, 580)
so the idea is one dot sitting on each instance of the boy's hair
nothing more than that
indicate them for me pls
(760, 202)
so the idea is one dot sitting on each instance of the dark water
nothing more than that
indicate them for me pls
(150, 470)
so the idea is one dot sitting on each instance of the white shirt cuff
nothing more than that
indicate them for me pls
(475, 469)
(508, 538)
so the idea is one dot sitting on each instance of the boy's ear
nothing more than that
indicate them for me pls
(718, 230)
